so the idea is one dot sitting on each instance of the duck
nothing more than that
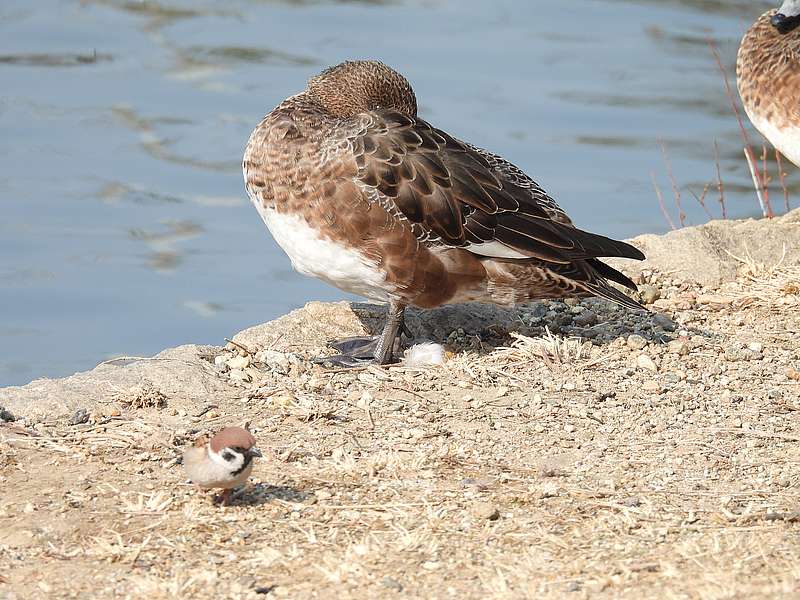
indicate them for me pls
(768, 77)
(364, 194)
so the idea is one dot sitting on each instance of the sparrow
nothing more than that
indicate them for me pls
(225, 461)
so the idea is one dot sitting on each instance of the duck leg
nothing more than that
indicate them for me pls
(379, 350)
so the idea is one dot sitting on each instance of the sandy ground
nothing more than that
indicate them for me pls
(563, 450)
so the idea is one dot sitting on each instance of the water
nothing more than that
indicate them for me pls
(125, 228)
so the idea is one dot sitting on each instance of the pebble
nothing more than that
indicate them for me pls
(484, 511)
(756, 347)
(585, 318)
(680, 347)
(239, 375)
(548, 490)
(651, 386)
(283, 400)
(737, 354)
(219, 360)
(79, 417)
(645, 362)
(392, 584)
(663, 321)
(276, 361)
(238, 363)
(649, 293)
(636, 342)
(6, 415)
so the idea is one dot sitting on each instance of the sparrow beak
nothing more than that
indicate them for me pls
(255, 452)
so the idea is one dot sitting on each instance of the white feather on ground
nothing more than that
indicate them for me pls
(425, 355)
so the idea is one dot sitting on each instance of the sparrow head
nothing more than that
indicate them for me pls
(233, 448)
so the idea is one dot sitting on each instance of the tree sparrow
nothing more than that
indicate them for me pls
(223, 462)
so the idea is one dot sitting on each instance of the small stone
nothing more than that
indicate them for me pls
(219, 361)
(114, 412)
(631, 502)
(738, 354)
(6, 415)
(571, 301)
(238, 362)
(484, 511)
(323, 494)
(392, 584)
(585, 319)
(276, 361)
(664, 322)
(264, 589)
(679, 347)
(415, 433)
(431, 565)
(756, 347)
(548, 490)
(649, 293)
(651, 387)
(283, 400)
(239, 375)
(636, 342)
(645, 362)
(79, 417)
(569, 428)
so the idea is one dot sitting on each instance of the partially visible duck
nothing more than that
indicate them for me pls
(361, 192)
(768, 76)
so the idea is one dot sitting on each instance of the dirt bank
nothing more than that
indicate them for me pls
(563, 449)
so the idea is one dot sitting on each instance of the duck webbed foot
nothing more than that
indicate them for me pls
(366, 350)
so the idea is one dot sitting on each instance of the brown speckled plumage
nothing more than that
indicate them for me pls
(768, 77)
(438, 219)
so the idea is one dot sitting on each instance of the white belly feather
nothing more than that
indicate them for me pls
(313, 255)
(785, 139)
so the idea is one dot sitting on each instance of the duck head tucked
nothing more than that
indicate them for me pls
(358, 86)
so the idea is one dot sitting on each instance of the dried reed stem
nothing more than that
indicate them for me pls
(720, 185)
(661, 201)
(675, 189)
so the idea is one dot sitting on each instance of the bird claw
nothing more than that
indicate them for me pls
(345, 361)
(356, 346)
(355, 352)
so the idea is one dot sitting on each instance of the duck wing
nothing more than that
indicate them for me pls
(458, 195)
